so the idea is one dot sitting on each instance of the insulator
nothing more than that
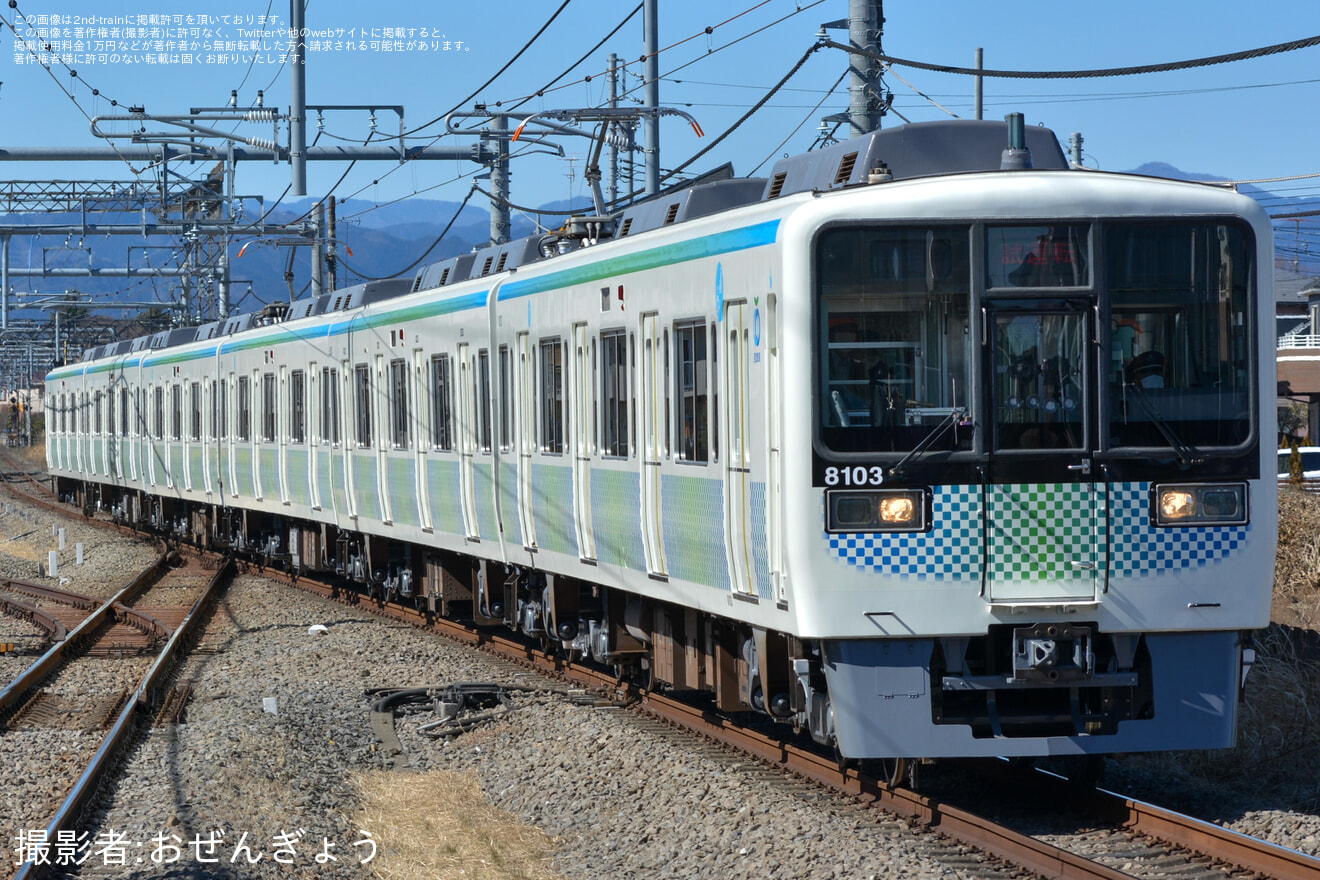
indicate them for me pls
(261, 144)
(259, 115)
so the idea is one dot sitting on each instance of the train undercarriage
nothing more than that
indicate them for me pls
(1014, 683)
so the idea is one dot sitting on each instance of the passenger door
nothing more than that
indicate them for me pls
(582, 402)
(651, 402)
(1044, 510)
(737, 450)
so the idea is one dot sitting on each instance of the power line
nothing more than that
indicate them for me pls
(1209, 61)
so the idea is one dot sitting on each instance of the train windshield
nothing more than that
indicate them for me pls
(1180, 341)
(1166, 373)
(894, 305)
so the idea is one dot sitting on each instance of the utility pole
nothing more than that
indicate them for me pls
(979, 83)
(298, 100)
(651, 92)
(614, 148)
(865, 106)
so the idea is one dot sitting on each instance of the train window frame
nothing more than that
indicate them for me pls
(551, 359)
(1189, 379)
(894, 308)
(243, 402)
(1033, 265)
(195, 411)
(330, 410)
(615, 393)
(506, 398)
(176, 412)
(362, 405)
(298, 406)
(442, 403)
(691, 370)
(401, 428)
(125, 426)
(269, 408)
(97, 410)
(158, 410)
(214, 430)
(110, 412)
(482, 400)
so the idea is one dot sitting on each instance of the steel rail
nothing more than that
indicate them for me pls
(55, 630)
(143, 698)
(53, 657)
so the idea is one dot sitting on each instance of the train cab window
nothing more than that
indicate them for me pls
(552, 396)
(442, 428)
(269, 406)
(297, 406)
(690, 391)
(399, 404)
(614, 393)
(1181, 326)
(506, 399)
(330, 406)
(244, 409)
(892, 338)
(483, 399)
(1038, 256)
(362, 403)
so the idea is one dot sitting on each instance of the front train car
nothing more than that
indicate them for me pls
(1032, 501)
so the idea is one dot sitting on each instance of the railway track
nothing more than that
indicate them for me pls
(1124, 837)
(100, 684)
(1139, 839)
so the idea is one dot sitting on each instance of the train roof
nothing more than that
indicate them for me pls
(922, 149)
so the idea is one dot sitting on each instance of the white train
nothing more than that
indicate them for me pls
(915, 446)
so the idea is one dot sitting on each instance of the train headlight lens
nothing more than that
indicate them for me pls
(1176, 504)
(1213, 504)
(902, 510)
(897, 510)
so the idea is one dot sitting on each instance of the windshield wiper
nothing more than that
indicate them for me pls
(1186, 455)
(926, 441)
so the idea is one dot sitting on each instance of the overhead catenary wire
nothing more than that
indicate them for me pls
(439, 238)
(1163, 67)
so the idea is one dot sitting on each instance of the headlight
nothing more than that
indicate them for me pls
(1214, 504)
(902, 510)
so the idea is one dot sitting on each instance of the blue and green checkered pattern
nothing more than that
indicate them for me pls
(1037, 532)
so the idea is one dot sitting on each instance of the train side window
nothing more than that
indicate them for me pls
(176, 411)
(399, 404)
(268, 406)
(110, 412)
(97, 409)
(506, 399)
(442, 433)
(158, 423)
(195, 411)
(666, 387)
(614, 393)
(714, 393)
(297, 406)
(330, 406)
(215, 410)
(123, 411)
(222, 428)
(552, 396)
(690, 391)
(362, 401)
(483, 398)
(244, 409)
(141, 420)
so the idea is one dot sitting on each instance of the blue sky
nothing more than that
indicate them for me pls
(1246, 120)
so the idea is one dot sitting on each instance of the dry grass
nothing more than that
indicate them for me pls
(439, 825)
(1276, 763)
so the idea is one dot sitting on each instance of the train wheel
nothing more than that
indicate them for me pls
(895, 772)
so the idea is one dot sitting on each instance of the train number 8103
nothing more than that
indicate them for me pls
(854, 476)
